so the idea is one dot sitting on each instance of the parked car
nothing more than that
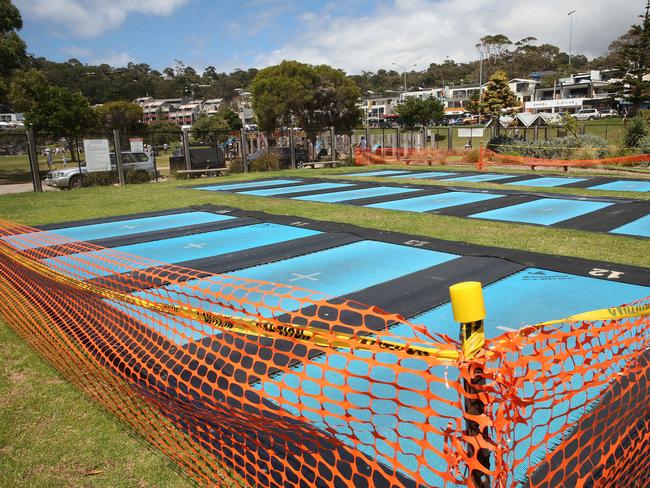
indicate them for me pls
(284, 154)
(587, 114)
(471, 120)
(66, 178)
(608, 113)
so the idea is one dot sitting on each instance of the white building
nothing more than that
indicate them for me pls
(570, 94)
(12, 121)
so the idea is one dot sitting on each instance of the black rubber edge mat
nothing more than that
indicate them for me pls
(485, 205)
(608, 218)
(412, 294)
(581, 222)
(563, 264)
(589, 180)
(500, 191)
(111, 242)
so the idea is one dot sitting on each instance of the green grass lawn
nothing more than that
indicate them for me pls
(50, 435)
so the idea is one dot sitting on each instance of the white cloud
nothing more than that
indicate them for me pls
(90, 18)
(113, 59)
(76, 51)
(422, 31)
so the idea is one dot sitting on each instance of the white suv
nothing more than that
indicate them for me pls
(587, 114)
(137, 162)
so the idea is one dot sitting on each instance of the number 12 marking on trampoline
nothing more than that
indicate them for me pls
(613, 275)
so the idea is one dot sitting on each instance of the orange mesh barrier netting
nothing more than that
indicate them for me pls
(491, 158)
(262, 384)
(391, 155)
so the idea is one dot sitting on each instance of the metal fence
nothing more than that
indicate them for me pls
(187, 152)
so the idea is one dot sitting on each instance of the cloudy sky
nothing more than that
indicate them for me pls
(354, 35)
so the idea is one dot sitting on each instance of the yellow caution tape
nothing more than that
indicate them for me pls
(241, 325)
(311, 335)
(612, 313)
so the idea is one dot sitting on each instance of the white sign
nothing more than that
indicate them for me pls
(471, 132)
(137, 144)
(97, 154)
(562, 102)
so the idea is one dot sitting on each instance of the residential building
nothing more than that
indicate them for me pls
(583, 90)
(212, 106)
(12, 120)
(157, 110)
(187, 113)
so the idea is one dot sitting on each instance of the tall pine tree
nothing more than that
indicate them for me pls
(635, 62)
(498, 98)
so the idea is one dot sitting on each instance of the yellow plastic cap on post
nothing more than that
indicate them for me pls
(467, 302)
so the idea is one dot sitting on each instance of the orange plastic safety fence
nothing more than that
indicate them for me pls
(491, 158)
(261, 384)
(408, 156)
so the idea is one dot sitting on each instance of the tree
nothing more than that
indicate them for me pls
(473, 106)
(210, 128)
(498, 99)
(635, 60)
(27, 88)
(415, 112)
(62, 113)
(231, 117)
(313, 97)
(125, 117)
(164, 132)
(12, 47)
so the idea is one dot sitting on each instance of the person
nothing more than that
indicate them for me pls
(165, 146)
(65, 161)
(363, 144)
(48, 155)
(469, 144)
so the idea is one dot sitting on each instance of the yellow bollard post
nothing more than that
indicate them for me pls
(469, 309)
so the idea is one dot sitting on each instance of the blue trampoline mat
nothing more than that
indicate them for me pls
(545, 211)
(639, 227)
(253, 184)
(426, 174)
(386, 172)
(623, 185)
(177, 249)
(348, 268)
(480, 178)
(433, 202)
(536, 295)
(284, 190)
(547, 182)
(342, 196)
(115, 229)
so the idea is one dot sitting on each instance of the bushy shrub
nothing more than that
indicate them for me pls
(236, 165)
(586, 146)
(136, 177)
(496, 142)
(269, 161)
(99, 179)
(472, 156)
(636, 131)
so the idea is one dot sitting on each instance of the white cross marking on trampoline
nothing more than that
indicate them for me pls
(310, 277)
(195, 246)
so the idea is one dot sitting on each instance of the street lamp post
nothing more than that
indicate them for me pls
(403, 71)
(570, 14)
